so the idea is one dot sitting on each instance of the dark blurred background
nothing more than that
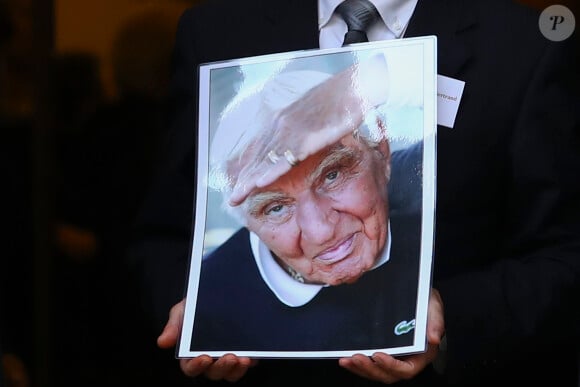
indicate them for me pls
(83, 95)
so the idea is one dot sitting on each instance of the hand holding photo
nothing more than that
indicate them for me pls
(328, 183)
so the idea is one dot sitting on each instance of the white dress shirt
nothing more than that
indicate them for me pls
(395, 15)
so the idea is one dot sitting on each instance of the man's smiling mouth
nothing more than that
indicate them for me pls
(337, 252)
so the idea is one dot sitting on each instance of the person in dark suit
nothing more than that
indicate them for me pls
(507, 245)
(320, 264)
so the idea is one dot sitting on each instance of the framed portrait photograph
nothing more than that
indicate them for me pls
(315, 201)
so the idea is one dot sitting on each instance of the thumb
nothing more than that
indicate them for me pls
(170, 333)
(435, 318)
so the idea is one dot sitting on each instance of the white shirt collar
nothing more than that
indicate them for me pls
(287, 290)
(395, 14)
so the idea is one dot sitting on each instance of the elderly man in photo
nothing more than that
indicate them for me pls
(320, 265)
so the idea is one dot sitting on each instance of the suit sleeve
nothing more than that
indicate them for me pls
(159, 250)
(527, 300)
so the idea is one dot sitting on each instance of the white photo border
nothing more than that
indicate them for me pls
(428, 47)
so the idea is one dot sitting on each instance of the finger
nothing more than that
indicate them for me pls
(435, 318)
(244, 185)
(196, 366)
(241, 191)
(366, 367)
(168, 338)
(357, 364)
(399, 369)
(245, 181)
(223, 367)
(273, 173)
(431, 354)
(261, 175)
(237, 372)
(407, 367)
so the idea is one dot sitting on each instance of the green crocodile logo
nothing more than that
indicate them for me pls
(404, 327)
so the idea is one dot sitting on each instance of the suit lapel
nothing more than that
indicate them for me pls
(296, 20)
(433, 17)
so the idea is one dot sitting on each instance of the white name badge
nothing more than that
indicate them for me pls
(449, 93)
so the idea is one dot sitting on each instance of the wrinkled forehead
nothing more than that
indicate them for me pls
(345, 153)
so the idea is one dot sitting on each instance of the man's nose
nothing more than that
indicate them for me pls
(316, 218)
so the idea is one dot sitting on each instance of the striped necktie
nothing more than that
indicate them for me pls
(358, 15)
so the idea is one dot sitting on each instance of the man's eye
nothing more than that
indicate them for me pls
(331, 176)
(274, 209)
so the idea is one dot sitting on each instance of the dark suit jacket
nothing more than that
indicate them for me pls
(507, 259)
